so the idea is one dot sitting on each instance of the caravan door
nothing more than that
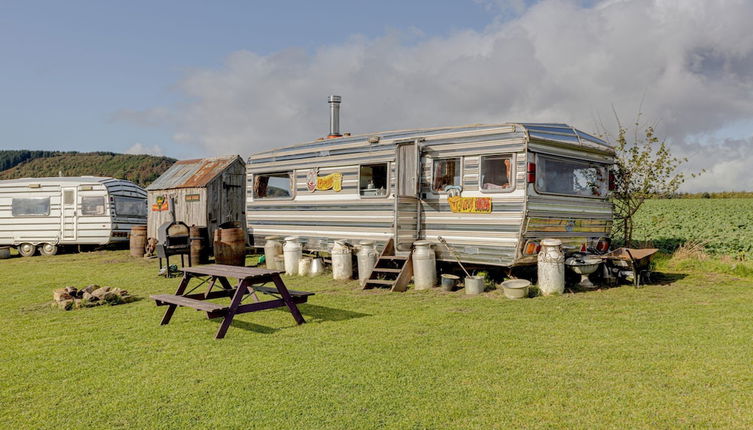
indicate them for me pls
(407, 204)
(68, 215)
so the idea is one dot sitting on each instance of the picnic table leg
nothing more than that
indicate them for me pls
(211, 284)
(287, 299)
(237, 297)
(171, 308)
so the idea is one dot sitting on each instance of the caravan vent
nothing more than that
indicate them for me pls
(68, 197)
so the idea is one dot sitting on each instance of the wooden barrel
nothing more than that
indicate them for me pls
(231, 247)
(138, 240)
(198, 250)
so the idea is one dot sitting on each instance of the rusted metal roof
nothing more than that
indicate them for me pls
(192, 173)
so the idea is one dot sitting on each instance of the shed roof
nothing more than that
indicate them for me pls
(193, 173)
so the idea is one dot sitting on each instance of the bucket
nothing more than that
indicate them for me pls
(231, 248)
(317, 267)
(474, 284)
(4, 252)
(304, 266)
(516, 288)
(449, 282)
(138, 240)
(198, 250)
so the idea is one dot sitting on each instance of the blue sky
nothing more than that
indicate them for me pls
(189, 79)
(69, 66)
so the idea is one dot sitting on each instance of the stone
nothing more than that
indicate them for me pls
(88, 289)
(71, 290)
(61, 295)
(66, 304)
(89, 297)
(100, 292)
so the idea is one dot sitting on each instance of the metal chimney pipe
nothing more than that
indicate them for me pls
(334, 115)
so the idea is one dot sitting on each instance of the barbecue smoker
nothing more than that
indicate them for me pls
(173, 239)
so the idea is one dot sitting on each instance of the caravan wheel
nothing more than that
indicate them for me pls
(48, 249)
(27, 249)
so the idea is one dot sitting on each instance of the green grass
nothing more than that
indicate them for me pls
(663, 356)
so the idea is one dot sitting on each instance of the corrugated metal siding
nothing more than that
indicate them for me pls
(192, 173)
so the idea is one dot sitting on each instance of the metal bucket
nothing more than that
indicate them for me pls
(424, 265)
(474, 285)
(449, 281)
(342, 261)
(367, 257)
(317, 267)
(137, 241)
(272, 248)
(292, 253)
(516, 288)
(551, 267)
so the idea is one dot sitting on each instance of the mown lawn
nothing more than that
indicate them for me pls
(664, 356)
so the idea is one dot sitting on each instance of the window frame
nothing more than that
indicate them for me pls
(460, 158)
(118, 214)
(513, 174)
(537, 159)
(293, 185)
(104, 205)
(13, 212)
(389, 180)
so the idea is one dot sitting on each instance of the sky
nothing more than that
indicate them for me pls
(189, 78)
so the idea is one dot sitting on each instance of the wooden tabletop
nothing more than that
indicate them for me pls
(224, 270)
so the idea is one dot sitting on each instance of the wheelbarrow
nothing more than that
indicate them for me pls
(637, 261)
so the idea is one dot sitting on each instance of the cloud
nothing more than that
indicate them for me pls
(688, 65)
(140, 148)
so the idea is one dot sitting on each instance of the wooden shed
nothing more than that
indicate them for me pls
(204, 192)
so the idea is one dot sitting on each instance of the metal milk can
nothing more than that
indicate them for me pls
(342, 261)
(272, 248)
(551, 266)
(304, 266)
(292, 251)
(367, 257)
(424, 265)
(317, 267)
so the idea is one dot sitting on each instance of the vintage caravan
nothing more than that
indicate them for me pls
(46, 213)
(492, 191)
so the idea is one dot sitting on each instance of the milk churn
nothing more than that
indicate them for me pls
(293, 253)
(272, 248)
(342, 260)
(551, 267)
(317, 267)
(367, 257)
(304, 266)
(424, 265)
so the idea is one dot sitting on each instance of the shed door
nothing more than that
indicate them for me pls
(68, 213)
(407, 204)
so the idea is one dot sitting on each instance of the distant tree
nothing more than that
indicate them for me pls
(644, 168)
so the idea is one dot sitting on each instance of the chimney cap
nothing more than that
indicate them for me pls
(334, 99)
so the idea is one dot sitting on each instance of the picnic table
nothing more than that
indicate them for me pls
(250, 281)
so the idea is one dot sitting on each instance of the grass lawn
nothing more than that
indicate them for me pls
(664, 356)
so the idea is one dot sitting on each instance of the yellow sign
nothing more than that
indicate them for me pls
(476, 205)
(333, 181)
(160, 205)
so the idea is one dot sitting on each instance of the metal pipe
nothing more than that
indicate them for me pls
(334, 115)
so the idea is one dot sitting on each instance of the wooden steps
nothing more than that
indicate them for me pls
(394, 271)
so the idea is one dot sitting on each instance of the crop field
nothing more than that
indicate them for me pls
(724, 226)
(675, 354)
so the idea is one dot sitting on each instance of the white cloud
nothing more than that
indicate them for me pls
(557, 60)
(140, 148)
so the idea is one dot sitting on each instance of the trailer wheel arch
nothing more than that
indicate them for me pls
(26, 249)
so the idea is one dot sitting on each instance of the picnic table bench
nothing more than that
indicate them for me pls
(250, 281)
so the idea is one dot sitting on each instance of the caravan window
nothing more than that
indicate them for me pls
(373, 180)
(273, 186)
(445, 173)
(93, 205)
(496, 173)
(571, 177)
(128, 206)
(34, 206)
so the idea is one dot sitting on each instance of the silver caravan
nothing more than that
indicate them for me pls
(492, 191)
(45, 213)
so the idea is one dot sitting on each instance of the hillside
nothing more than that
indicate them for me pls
(141, 169)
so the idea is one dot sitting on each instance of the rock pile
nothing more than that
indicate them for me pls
(92, 295)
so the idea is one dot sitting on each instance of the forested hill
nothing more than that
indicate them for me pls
(141, 169)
